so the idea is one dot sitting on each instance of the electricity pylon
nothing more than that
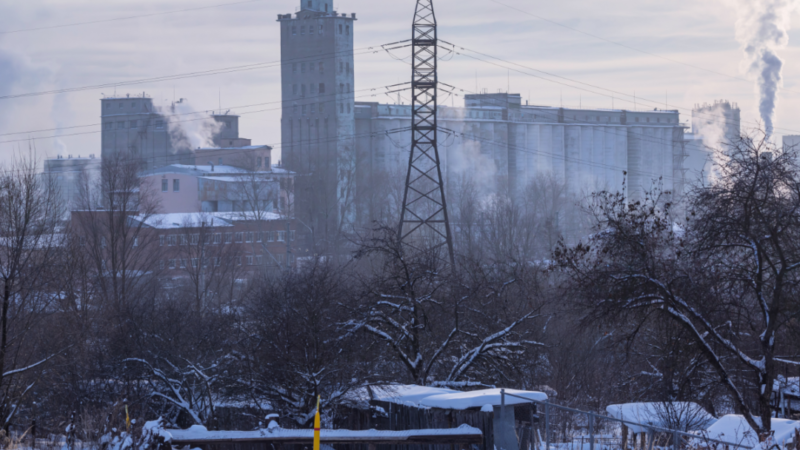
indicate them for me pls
(423, 220)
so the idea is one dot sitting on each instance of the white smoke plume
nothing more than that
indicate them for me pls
(189, 129)
(762, 28)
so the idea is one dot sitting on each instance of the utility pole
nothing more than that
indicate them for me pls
(423, 221)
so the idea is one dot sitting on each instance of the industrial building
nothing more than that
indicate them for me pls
(715, 126)
(68, 174)
(340, 148)
(587, 149)
(156, 136)
(317, 123)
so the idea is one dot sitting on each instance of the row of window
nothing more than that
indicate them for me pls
(133, 105)
(344, 68)
(313, 108)
(122, 124)
(176, 185)
(313, 89)
(238, 237)
(343, 29)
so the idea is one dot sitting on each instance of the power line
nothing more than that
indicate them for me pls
(219, 71)
(628, 47)
(622, 94)
(116, 19)
(205, 118)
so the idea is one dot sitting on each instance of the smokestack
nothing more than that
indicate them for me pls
(762, 28)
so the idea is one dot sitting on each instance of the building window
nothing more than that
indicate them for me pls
(159, 124)
(347, 28)
(164, 185)
(303, 90)
(313, 108)
(238, 260)
(249, 260)
(348, 88)
(228, 238)
(183, 263)
(321, 68)
(132, 124)
(120, 105)
(258, 236)
(249, 237)
(281, 236)
(195, 239)
(648, 120)
(341, 108)
(303, 68)
(322, 27)
(120, 125)
(172, 240)
(108, 125)
(176, 185)
(637, 119)
(161, 264)
(194, 262)
(322, 88)
(184, 240)
(161, 240)
(218, 238)
(136, 242)
(341, 67)
(270, 236)
(340, 28)
(294, 30)
(291, 236)
(341, 88)
(304, 109)
(258, 162)
(309, 3)
(259, 260)
(217, 261)
(239, 237)
(294, 67)
(326, 7)
(171, 263)
(348, 108)
(219, 160)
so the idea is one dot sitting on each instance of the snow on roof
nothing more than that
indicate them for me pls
(735, 429)
(182, 220)
(477, 399)
(199, 433)
(686, 416)
(246, 147)
(789, 386)
(409, 394)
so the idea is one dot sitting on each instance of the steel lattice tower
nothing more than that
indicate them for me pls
(423, 220)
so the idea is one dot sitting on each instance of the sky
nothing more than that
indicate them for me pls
(575, 53)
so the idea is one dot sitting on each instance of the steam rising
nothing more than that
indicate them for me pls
(762, 29)
(189, 129)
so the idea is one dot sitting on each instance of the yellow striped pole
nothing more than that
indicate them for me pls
(316, 427)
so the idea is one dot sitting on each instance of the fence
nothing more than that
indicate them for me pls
(555, 427)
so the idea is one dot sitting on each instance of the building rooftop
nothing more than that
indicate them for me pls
(196, 170)
(182, 220)
(248, 147)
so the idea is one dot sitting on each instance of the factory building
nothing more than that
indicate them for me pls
(157, 136)
(317, 123)
(495, 136)
(68, 175)
(342, 150)
(715, 126)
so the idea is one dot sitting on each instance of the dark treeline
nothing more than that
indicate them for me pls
(694, 301)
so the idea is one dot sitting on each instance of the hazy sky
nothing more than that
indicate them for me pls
(690, 32)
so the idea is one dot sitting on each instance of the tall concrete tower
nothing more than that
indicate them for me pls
(318, 121)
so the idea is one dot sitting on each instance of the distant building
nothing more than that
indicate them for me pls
(317, 123)
(158, 136)
(495, 135)
(180, 188)
(715, 127)
(69, 173)
(792, 141)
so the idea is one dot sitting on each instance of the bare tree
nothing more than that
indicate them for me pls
(30, 244)
(729, 276)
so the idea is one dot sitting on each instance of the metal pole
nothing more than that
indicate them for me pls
(502, 402)
(547, 426)
(591, 431)
(676, 441)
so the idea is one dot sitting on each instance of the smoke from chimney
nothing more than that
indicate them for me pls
(762, 29)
